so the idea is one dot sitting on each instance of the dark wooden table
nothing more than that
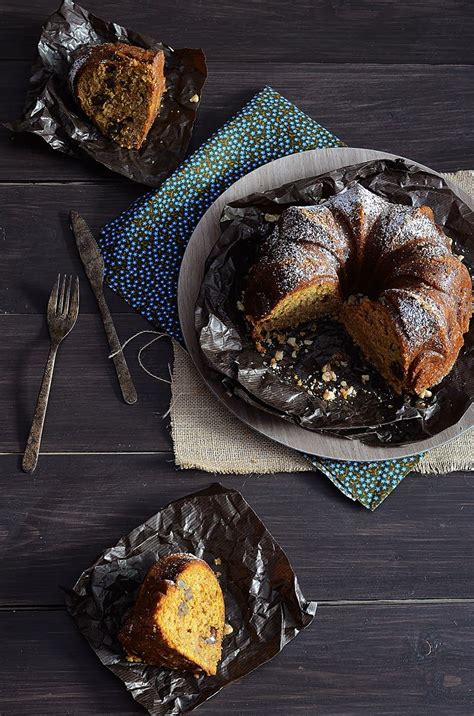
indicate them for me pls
(394, 632)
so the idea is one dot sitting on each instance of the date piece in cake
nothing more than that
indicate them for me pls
(178, 618)
(119, 87)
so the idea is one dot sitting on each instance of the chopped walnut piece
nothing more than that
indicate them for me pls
(348, 392)
(425, 393)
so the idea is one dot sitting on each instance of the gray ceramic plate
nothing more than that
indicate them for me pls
(207, 232)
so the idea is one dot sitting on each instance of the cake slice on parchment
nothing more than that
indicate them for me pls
(119, 87)
(177, 620)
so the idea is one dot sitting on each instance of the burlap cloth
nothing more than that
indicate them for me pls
(206, 436)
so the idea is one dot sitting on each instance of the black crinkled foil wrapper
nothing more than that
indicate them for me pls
(263, 601)
(52, 112)
(376, 415)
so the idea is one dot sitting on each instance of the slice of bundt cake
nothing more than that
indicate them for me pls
(386, 271)
(119, 87)
(177, 620)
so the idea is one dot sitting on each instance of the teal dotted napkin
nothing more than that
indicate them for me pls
(143, 247)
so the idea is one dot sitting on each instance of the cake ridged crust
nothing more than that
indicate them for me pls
(177, 620)
(415, 302)
(119, 87)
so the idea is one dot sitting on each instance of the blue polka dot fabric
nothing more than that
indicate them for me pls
(143, 247)
(366, 482)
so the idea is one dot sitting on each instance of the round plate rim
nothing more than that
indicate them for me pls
(312, 163)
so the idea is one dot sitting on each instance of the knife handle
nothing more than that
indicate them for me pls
(123, 374)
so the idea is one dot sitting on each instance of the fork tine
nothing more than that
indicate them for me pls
(61, 297)
(73, 310)
(67, 297)
(53, 298)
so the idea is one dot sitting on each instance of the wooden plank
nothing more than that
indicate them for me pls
(431, 31)
(418, 545)
(38, 241)
(86, 411)
(402, 109)
(384, 660)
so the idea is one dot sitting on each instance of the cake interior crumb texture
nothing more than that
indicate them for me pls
(119, 87)
(178, 618)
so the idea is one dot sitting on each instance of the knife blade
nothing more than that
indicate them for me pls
(94, 268)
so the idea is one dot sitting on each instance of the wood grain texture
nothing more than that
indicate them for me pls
(402, 109)
(384, 660)
(394, 76)
(431, 31)
(86, 412)
(418, 545)
(37, 242)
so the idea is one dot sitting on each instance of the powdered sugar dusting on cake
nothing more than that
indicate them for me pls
(359, 206)
(292, 263)
(401, 224)
(416, 320)
(314, 225)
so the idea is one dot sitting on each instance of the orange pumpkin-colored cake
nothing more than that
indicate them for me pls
(177, 620)
(386, 271)
(119, 87)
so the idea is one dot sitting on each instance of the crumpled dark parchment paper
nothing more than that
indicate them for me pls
(52, 112)
(376, 415)
(264, 604)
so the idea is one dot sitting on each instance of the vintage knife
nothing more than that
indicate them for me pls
(94, 268)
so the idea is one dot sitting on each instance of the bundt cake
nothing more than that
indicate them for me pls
(119, 87)
(177, 620)
(386, 271)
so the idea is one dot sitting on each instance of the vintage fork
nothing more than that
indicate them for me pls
(63, 308)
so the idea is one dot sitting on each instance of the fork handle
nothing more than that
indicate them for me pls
(127, 387)
(30, 456)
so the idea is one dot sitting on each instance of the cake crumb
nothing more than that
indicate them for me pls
(194, 98)
(294, 354)
(329, 395)
(348, 392)
(329, 376)
(228, 629)
(291, 341)
(218, 560)
(307, 342)
(425, 393)
(326, 368)
(240, 306)
(365, 378)
(278, 355)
